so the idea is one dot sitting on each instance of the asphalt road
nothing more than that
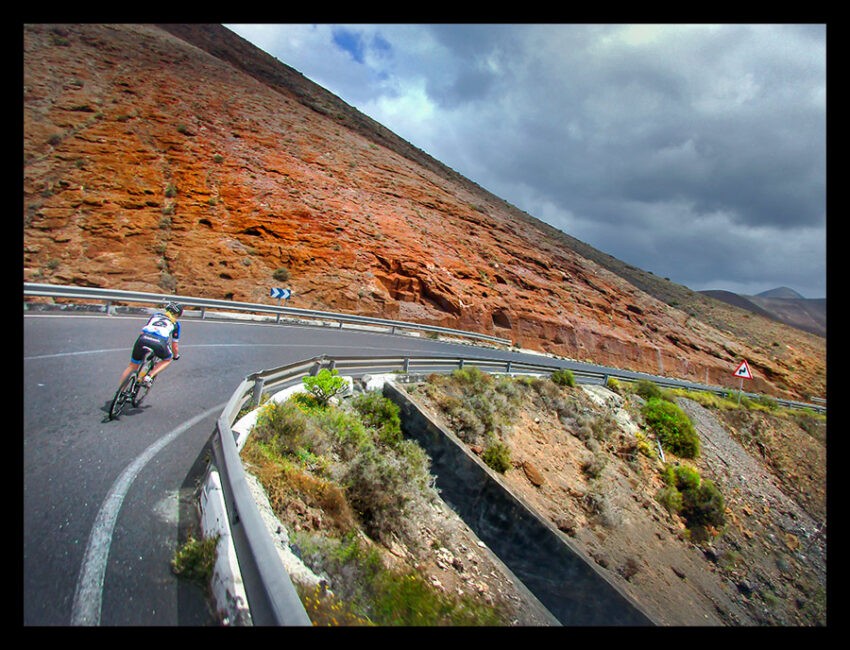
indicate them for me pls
(107, 503)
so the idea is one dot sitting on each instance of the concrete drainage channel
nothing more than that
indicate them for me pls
(562, 579)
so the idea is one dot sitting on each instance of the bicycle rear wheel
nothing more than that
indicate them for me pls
(123, 395)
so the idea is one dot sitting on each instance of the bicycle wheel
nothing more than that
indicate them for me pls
(123, 395)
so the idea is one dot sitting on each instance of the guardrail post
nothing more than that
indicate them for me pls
(315, 369)
(405, 367)
(332, 365)
(257, 394)
(508, 367)
(460, 364)
(107, 306)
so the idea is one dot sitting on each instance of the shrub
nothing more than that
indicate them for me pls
(195, 559)
(383, 485)
(672, 426)
(647, 389)
(367, 591)
(281, 274)
(563, 377)
(473, 379)
(325, 385)
(497, 456)
(286, 430)
(697, 500)
(381, 414)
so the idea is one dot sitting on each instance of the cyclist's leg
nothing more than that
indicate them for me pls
(136, 357)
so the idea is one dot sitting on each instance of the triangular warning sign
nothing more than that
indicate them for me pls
(743, 370)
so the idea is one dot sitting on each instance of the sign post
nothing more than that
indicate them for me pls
(280, 294)
(742, 371)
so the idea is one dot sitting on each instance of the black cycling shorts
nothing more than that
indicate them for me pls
(160, 348)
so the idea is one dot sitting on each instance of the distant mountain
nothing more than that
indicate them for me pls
(781, 292)
(781, 304)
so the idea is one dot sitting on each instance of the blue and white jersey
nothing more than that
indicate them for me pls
(161, 326)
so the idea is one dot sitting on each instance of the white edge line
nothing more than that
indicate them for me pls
(88, 595)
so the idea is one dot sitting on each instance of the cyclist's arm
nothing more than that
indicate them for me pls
(175, 336)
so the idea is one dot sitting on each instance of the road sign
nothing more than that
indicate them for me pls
(743, 371)
(280, 293)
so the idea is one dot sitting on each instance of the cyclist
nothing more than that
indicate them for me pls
(161, 333)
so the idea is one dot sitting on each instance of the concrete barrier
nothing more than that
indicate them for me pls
(566, 582)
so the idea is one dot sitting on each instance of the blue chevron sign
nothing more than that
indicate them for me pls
(281, 293)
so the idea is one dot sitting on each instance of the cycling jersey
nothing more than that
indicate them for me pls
(162, 326)
(157, 335)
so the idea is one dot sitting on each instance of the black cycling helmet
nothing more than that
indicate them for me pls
(174, 308)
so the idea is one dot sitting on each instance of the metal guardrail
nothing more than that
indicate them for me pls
(111, 296)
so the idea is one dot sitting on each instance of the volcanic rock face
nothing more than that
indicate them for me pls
(203, 166)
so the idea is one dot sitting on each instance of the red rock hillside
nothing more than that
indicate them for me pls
(181, 159)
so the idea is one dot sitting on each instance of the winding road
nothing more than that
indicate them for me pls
(107, 503)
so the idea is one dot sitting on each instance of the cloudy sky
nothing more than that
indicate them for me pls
(697, 152)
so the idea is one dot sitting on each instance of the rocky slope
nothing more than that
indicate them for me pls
(766, 566)
(182, 159)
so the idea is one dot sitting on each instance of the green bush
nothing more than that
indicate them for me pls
(563, 377)
(369, 592)
(497, 456)
(672, 426)
(697, 500)
(648, 389)
(473, 379)
(195, 560)
(325, 384)
(381, 414)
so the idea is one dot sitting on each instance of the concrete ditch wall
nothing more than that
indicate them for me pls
(561, 578)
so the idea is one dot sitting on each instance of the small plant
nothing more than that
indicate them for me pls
(497, 456)
(281, 274)
(697, 500)
(380, 413)
(563, 377)
(325, 385)
(672, 426)
(170, 190)
(195, 559)
(648, 389)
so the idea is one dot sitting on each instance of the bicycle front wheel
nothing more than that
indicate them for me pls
(123, 395)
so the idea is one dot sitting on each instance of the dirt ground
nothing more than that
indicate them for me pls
(766, 567)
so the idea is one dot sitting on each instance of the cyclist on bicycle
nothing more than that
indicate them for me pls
(161, 333)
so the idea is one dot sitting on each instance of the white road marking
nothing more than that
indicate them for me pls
(88, 594)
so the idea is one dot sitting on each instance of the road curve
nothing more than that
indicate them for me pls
(107, 503)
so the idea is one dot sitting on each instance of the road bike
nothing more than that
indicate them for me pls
(133, 390)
